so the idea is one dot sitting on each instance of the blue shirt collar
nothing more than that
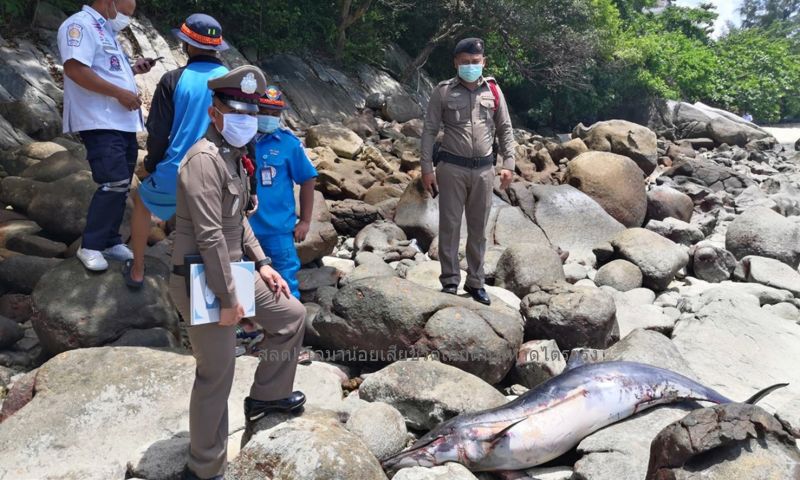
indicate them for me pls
(276, 134)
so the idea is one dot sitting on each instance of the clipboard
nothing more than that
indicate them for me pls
(205, 306)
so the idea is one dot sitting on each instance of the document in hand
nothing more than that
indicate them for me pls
(205, 305)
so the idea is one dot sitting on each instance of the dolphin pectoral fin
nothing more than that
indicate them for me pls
(494, 431)
(764, 392)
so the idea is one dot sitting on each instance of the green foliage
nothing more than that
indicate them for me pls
(758, 73)
(559, 61)
(11, 9)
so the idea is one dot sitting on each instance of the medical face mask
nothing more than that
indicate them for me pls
(239, 128)
(120, 22)
(268, 123)
(470, 73)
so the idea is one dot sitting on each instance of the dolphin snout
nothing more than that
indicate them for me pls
(409, 458)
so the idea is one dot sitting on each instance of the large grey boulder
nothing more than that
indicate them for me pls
(676, 230)
(623, 138)
(448, 471)
(350, 216)
(429, 392)
(711, 263)
(664, 202)
(719, 333)
(58, 165)
(381, 427)
(771, 272)
(613, 181)
(481, 342)
(526, 265)
(652, 348)
(21, 273)
(10, 332)
(765, 233)
(537, 362)
(344, 142)
(305, 449)
(724, 442)
(571, 219)
(418, 214)
(622, 450)
(143, 392)
(373, 316)
(28, 94)
(573, 316)
(620, 275)
(634, 312)
(321, 238)
(79, 309)
(401, 108)
(717, 177)
(658, 258)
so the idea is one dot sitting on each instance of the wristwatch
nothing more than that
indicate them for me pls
(263, 263)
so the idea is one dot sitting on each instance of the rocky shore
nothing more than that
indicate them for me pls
(675, 243)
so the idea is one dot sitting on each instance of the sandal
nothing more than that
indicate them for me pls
(126, 274)
(304, 357)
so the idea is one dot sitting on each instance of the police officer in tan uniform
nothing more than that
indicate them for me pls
(212, 194)
(473, 112)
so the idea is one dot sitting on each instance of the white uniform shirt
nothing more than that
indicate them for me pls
(87, 37)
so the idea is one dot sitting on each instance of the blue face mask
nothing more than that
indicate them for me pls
(268, 123)
(470, 73)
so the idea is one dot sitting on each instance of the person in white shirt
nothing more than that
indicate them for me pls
(102, 105)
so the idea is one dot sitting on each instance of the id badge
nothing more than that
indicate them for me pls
(266, 176)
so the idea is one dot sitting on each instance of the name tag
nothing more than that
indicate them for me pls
(267, 175)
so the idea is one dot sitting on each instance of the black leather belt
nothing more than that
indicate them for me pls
(467, 162)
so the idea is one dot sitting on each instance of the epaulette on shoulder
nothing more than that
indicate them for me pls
(449, 81)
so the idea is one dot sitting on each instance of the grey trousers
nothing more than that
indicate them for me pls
(283, 320)
(463, 190)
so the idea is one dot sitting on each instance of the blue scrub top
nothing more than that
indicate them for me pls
(281, 162)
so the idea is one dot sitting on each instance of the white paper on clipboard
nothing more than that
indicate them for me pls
(205, 305)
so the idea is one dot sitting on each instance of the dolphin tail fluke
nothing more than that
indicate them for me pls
(764, 392)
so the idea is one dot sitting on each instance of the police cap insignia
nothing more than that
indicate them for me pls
(249, 84)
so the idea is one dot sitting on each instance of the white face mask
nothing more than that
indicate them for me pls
(120, 21)
(239, 128)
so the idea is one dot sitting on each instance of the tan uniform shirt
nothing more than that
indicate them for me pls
(211, 197)
(470, 123)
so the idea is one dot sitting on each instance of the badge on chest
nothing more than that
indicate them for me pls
(267, 175)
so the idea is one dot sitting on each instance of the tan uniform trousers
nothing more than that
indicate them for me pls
(283, 320)
(463, 190)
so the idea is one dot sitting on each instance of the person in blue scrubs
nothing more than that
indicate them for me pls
(178, 119)
(280, 164)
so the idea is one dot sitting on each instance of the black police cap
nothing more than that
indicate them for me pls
(473, 46)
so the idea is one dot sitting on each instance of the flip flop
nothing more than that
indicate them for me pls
(126, 274)
(304, 357)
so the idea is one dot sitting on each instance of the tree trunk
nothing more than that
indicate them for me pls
(445, 32)
(346, 20)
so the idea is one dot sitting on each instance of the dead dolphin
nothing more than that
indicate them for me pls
(549, 420)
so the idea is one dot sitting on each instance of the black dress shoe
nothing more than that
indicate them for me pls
(190, 475)
(451, 289)
(255, 409)
(479, 295)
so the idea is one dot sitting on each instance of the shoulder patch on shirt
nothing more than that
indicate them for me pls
(74, 35)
